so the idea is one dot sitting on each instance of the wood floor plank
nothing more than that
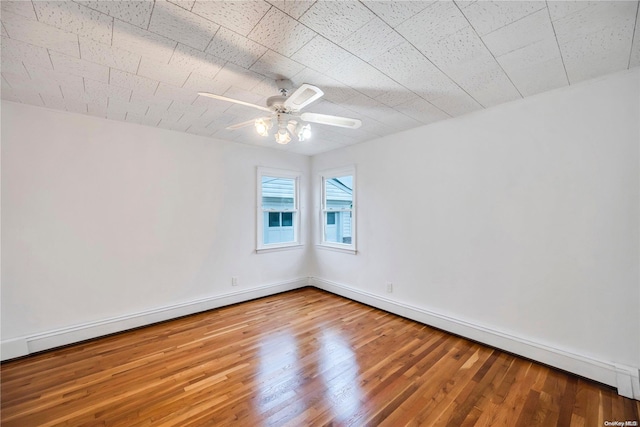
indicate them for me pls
(305, 357)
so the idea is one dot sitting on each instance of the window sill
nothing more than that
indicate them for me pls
(338, 249)
(279, 248)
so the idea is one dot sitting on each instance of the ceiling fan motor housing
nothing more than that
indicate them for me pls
(277, 103)
(284, 85)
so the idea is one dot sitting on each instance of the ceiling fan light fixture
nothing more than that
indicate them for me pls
(262, 127)
(304, 132)
(283, 137)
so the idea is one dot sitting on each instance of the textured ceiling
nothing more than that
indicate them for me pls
(393, 64)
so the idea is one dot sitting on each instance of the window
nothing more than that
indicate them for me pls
(338, 209)
(278, 214)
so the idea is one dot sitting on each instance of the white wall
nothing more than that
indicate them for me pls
(104, 219)
(521, 219)
(518, 224)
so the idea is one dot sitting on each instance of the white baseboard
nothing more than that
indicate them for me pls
(624, 378)
(23, 346)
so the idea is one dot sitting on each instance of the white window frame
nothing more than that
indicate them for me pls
(343, 247)
(278, 173)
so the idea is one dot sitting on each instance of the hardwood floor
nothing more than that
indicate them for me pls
(300, 358)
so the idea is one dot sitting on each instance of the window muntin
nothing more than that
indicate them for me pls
(278, 215)
(338, 215)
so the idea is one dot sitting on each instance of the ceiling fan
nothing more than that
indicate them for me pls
(285, 113)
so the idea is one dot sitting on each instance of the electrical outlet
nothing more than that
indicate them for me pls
(234, 281)
(389, 287)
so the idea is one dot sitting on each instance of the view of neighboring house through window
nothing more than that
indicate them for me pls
(338, 219)
(278, 209)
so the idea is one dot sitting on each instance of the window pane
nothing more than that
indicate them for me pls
(274, 219)
(278, 193)
(339, 192)
(287, 219)
(278, 231)
(331, 218)
(331, 229)
(337, 227)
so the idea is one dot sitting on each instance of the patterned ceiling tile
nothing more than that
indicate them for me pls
(155, 103)
(395, 13)
(141, 119)
(79, 67)
(372, 40)
(174, 93)
(596, 39)
(363, 77)
(19, 7)
(394, 65)
(439, 20)
(17, 69)
(199, 83)
(39, 34)
(488, 16)
(458, 51)
(75, 18)
(178, 107)
(561, 8)
(17, 51)
(39, 84)
(174, 22)
(276, 66)
(76, 106)
(118, 105)
(66, 81)
(536, 67)
(397, 97)
(266, 88)
(235, 48)
(185, 57)
(423, 111)
(526, 31)
(136, 12)
(53, 101)
(489, 87)
(293, 8)
(185, 4)
(456, 103)
(320, 54)
(336, 20)
(539, 77)
(232, 75)
(404, 62)
(136, 83)
(162, 72)
(239, 16)
(105, 54)
(133, 39)
(281, 33)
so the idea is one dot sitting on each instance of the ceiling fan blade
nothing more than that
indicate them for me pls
(235, 101)
(343, 122)
(302, 97)
(241, 125)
